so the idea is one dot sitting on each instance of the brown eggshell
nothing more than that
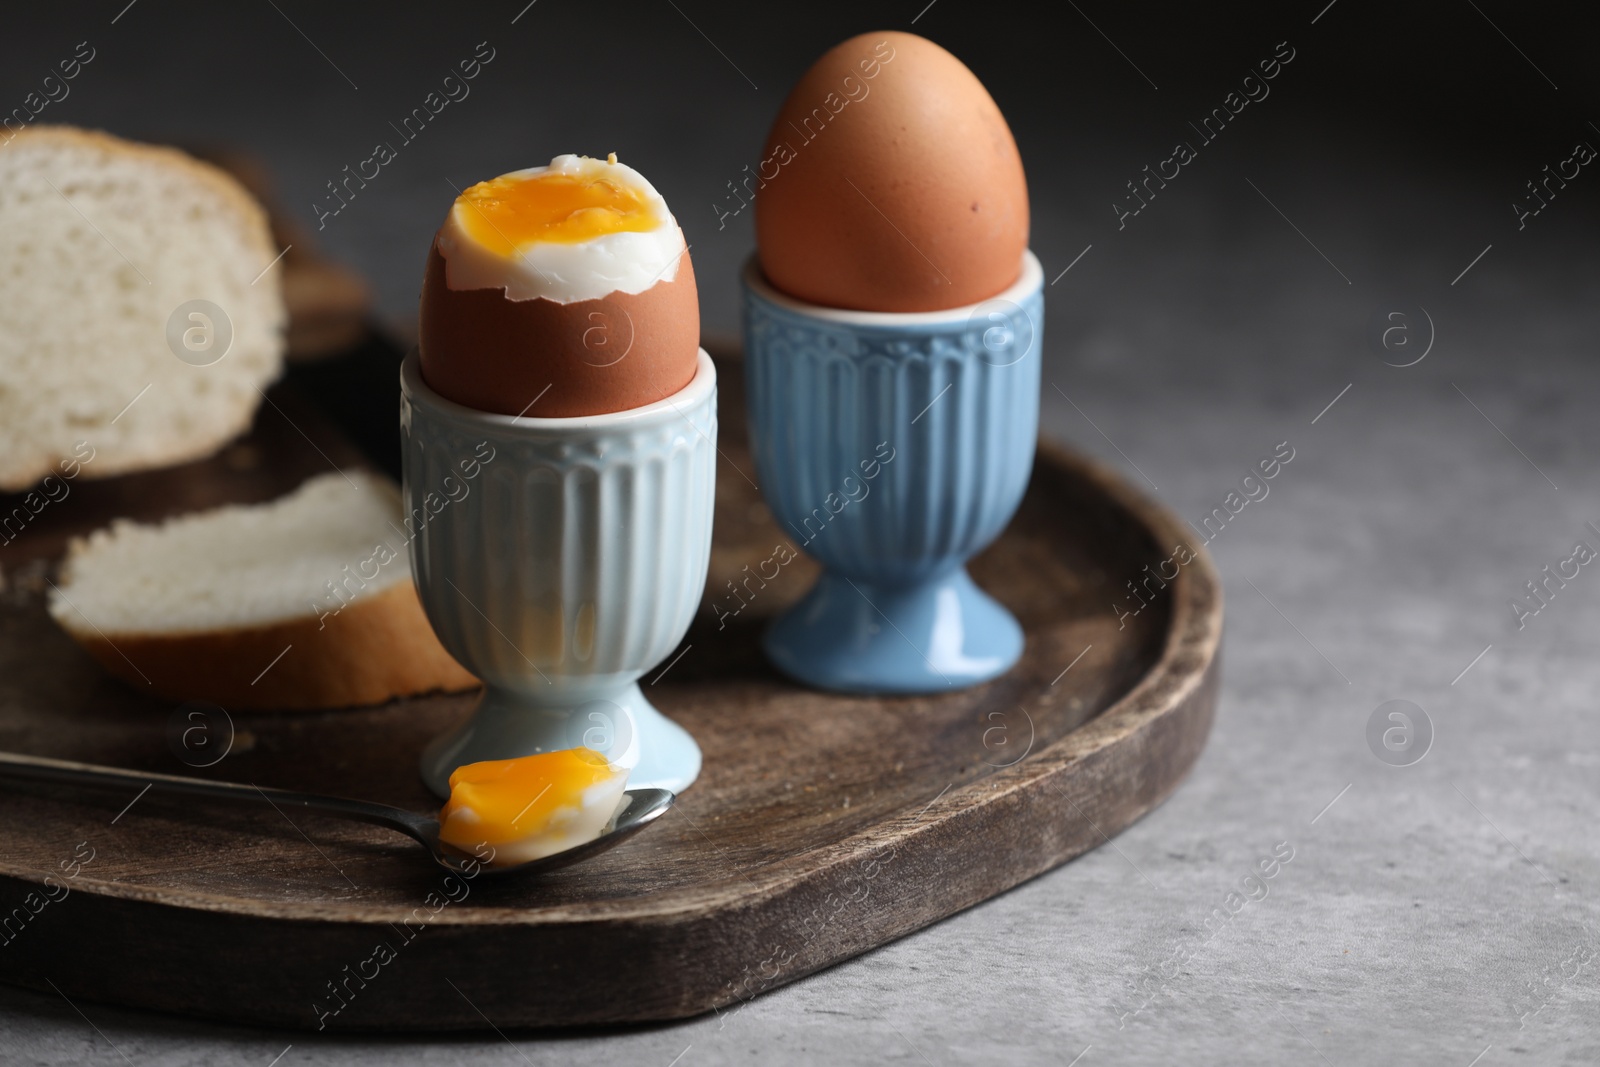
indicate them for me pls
(890, 182)
(589, 357)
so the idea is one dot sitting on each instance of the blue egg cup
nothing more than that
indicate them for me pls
(893, 448)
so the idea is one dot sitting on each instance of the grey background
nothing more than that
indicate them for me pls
(1434, 913)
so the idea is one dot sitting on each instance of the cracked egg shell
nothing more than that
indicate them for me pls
(588, 357)
(579, 303)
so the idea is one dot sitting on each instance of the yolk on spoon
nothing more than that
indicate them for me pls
(533, 806)
(508, 213)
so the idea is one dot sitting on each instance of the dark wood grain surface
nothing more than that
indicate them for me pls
(821, 827)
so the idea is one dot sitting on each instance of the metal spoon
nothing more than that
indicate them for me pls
(641, 807)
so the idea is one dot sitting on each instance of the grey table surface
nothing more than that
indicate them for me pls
(1442, 912)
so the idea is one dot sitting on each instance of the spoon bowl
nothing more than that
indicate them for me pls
(638, 809)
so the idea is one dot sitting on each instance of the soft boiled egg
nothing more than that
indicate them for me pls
(559, 291)
(890, 182)
(533, 806)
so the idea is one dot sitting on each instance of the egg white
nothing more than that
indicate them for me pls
(564, 273)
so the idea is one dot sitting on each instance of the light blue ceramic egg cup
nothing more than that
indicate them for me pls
(559, 559)
(892, 448)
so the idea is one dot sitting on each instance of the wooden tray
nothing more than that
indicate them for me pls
(822, 826)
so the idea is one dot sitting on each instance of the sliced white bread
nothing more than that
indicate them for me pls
(302, 602)
(101, 241)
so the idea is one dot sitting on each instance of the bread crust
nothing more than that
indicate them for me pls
(19, 472)
(378, 648)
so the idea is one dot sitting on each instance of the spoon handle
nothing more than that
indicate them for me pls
(67, 772)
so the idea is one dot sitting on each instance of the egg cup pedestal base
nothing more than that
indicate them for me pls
(658, 752)
(854, 636)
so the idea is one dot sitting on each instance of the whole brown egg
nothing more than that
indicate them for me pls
(890, 182)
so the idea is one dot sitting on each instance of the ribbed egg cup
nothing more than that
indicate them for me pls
(951, 398)
(567, 564)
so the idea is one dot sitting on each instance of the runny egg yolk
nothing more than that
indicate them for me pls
(532, 806)
(509, 213)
